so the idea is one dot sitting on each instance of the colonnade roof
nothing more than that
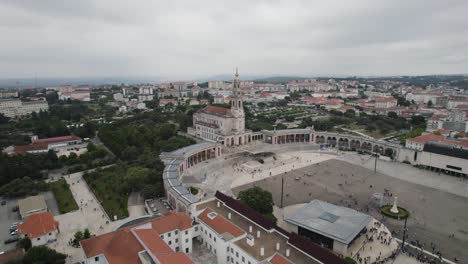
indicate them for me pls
(174, 185)
(287, 131)
(360, 138)
(187, 151)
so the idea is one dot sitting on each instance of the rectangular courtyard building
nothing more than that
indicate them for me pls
(329, 225)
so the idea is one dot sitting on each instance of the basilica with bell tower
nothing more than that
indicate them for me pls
(223, 125)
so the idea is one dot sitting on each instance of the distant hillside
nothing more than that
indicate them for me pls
(44, 82)
(279, 79)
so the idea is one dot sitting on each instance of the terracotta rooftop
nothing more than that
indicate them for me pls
(119, 247)
(217, 110)
(159, 248)
(122, 246)
(33, 147)
(219, 223)
(39, 224)
(172, 221)
(426, 138)
(56, 139)
(278, 259)
(439, 138)
(385, 99)
(463, 106)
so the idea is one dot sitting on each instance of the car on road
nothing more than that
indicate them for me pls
(3, 202)
(12, 239)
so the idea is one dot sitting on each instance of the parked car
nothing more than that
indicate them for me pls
(3, 202)
(12, 239)
(13, 233)
(13, 228)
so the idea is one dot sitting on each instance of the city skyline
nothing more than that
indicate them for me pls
(185, 40)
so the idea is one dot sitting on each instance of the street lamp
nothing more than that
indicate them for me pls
(404, 236)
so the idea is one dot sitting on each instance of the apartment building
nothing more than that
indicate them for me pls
(13, 108)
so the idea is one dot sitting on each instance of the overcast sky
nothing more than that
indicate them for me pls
(193, 39)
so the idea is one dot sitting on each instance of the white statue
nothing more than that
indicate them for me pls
(394, 207)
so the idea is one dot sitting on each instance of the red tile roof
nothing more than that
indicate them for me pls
(122, 246)
(119, 247)
(39, 224)
(385, 99)
(440, 138)
(463, 106)
(217, 110)
(426, 138)
(34, 147)
(278, 259)
(56, 139)
(159, 248)
(172, 221)
(220, 224)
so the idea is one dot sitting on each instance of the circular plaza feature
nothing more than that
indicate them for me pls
(401, 214)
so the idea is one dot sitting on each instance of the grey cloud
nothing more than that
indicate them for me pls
(191, 39)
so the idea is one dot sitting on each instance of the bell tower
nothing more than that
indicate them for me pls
(236, 102)
(237, 105)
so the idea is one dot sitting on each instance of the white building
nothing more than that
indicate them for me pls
(219, 124)
(79, 95)
(385, 102)
(8, 93)
(58, 144)
(40, 228)
(163, 240)
(237, 234)
(438, 156)
(15, 108)
(216, 85)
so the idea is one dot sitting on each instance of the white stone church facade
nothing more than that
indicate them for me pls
(223, 125)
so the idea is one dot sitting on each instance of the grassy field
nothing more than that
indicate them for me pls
(63, 196)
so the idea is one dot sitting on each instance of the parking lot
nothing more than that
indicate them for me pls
(7, 217)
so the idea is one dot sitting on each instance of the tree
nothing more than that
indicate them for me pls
(24, 243)
(261, 105)
(392, 115)
(77, 238)
(86, 234)
(281, 126)
(418, 121)
(429, 104)
(289, 118)
(43, 255)
(258, 199)
(350, 113)
(91, 147)
(4, 119)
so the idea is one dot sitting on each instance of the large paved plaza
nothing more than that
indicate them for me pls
(435, 213)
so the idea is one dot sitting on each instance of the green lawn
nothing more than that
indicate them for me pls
(63, 196)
